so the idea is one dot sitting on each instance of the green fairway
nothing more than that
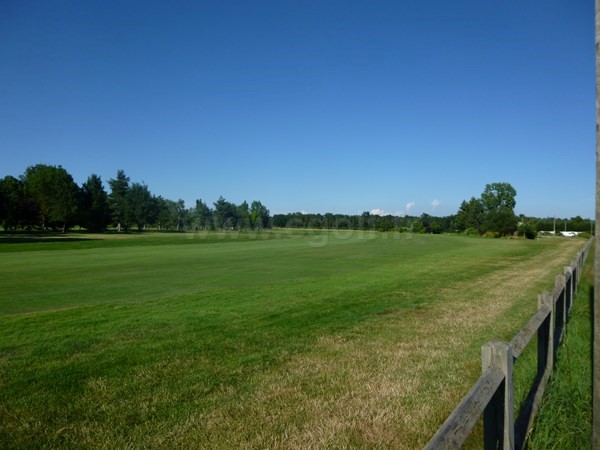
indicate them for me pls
(275, 339)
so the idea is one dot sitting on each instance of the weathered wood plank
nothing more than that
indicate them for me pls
(523, 337)
(457, 427)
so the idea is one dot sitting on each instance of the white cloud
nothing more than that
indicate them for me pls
(377, 212)
(435, 204)
(302, 212)
(409, 206)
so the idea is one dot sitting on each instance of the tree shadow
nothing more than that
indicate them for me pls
(41, 239)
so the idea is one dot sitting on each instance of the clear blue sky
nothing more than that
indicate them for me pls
(321, 106)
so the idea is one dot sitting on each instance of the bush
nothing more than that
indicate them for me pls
(491, 234)
(527, 230)
(471, 232)
(436, 228)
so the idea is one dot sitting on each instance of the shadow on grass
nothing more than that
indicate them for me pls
(38, 239)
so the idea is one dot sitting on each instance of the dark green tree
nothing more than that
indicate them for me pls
(366, 220)
(417, 226)
(280, 220)
(243, 216)
(225, 214)
(385, 223)
(140, 206)
(201, 216)
(527, 228)
(167, 213)
(502, 221)
(497, 196)
(94, 207)
(435, 227)
(55, 194)
(15, 208)
(119, 187)
(182, 215)
(259, 215)
(470, 215)
(498, 200)
(578, 223)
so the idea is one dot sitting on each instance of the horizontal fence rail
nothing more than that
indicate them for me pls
(493, 394)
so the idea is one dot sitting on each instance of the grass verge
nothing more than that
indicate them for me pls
(565, 417)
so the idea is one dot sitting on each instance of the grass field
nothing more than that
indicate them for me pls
(280, 339)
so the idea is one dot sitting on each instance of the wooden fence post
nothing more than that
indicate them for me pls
(498, 416)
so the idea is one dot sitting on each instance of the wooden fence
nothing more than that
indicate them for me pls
(493, 394)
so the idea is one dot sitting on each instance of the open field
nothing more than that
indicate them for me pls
(279, 339)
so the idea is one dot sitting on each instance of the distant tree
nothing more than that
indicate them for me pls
(493, 212)
(498, 201)
(447, 223)
(385, 223)
(417, 226)
(54, 192)
(170, 215)
(527, 228)
(182, 215)
(366, 220)
(140, 206)
(225, 214)
(119, 187)
(435, 227)
(166, 216)
(15, 208)
(201, 216)
(343, 222)
(94, 207)
(578, 223)
(3, 202)
(280, 220)
(497, 196)
(425, 220)
(471, 214)
(259, 215)
(243, 216)
(502, 221)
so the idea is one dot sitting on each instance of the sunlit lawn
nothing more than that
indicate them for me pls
(277, 339)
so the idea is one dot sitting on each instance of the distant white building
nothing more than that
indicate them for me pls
(570, 233)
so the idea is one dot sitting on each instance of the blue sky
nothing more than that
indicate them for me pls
(322, 106)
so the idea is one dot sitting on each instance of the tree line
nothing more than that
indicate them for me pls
(47, 197)
(491, 214)
(365, 221)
